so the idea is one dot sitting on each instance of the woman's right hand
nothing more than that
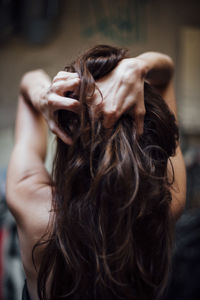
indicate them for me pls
(48, 97)
(53, 100)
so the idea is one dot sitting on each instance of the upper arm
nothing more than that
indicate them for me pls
(28, 190)
(178, 188)
(28, 186)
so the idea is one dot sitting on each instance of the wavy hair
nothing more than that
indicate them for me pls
(111, 232)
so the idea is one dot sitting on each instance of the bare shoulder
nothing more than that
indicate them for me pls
(29, 200)
(28, 194)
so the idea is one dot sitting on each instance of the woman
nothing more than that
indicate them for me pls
(100, 228)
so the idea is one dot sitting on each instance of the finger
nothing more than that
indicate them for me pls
(110, 112)
(62, 135)
(139, 119)
(139, 126)
(65, 76)
(57, 102)
(62, 86)
(117, 104)
(109, 119)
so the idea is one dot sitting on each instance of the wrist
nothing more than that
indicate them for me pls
(132, 69)
(159, 67)
(37, 96)
(34, 86)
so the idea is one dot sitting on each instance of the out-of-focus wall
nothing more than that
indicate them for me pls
(189, 80)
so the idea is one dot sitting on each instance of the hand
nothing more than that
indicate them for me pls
(53, 100)
(123, 91)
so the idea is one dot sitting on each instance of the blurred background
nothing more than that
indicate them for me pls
(49, 34)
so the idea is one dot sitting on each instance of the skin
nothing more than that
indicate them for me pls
(29, 184)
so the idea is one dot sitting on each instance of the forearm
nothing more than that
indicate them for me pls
(26, 170)
(159, 68)
(178, 189)
(31, 129)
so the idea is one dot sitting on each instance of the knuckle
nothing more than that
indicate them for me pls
(72, 83)
(141, 131)
(74, 104)
(55, 78)
(50, 96)
(53, 103)
(59, 75)
(110, 112)
(141, 111)
(137, 71)
(126, 78)
(50, 99)
(49, 91)
(56, 87)
(62, 73)
(77, 81)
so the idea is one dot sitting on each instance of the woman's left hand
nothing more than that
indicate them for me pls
(122, 91)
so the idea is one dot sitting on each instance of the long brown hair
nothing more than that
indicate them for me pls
(111, 234)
